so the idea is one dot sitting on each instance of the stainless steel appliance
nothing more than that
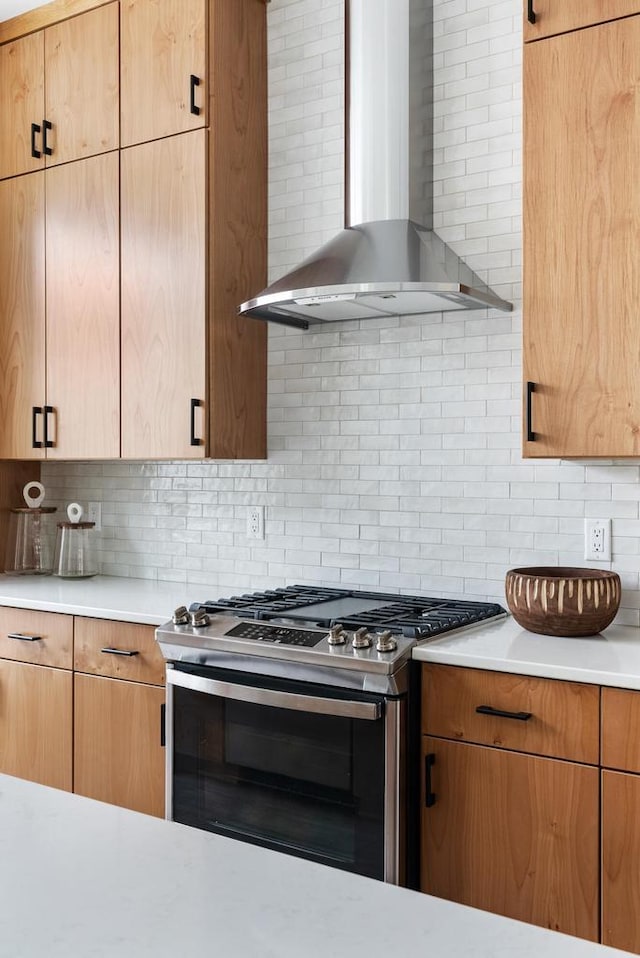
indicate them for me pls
(289, 719)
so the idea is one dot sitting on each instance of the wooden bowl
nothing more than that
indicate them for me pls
(557, 600)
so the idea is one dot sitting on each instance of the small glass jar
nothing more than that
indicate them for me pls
(75, 556)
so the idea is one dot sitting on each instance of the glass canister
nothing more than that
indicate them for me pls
(75, 556)
(29, 547)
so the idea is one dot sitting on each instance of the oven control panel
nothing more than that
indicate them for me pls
(279, 634)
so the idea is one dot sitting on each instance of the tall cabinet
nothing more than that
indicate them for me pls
(132, 224)
(581, 220)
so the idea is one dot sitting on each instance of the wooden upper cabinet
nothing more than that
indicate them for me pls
(22, 314)
(163, 68)
(164, 298)
(82, 85)
(562, 16)
(581, 335)
(59, 92)
(83, 308)
(21, 105)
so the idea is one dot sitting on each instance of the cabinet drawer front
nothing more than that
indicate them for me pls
(621, 729)
(42, 638)
(542, 716)
(118, 650)
(563, 16)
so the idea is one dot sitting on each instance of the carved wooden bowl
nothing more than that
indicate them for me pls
(557, 600)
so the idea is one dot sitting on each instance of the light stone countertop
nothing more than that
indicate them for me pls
(81, 878)
(610, 658)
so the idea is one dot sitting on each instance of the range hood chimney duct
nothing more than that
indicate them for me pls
(387, 261)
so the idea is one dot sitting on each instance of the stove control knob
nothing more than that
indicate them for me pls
(199, 619)
(361, 639)
(337, 635)
(180, 616)
(386, 642)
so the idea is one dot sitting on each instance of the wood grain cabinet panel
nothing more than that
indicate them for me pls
(51, 636)
(563, 716)
(562, 16)
(83, 308)
(21, 104)
(118, 650)
(581, 218)
(22, 314)
(620, 857)
(36, 723)
(163, 68)
(82, 85)
(621, 729)
(118, 750)
(513, 834)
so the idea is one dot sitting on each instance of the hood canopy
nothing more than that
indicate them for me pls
(389, 261)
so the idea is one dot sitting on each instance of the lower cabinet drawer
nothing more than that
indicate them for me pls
(620, 729)
(42, 638)
(523, 713)
(119, 650)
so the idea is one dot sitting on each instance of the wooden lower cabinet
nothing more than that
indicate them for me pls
(513, 834)
(118, 746)
(36, 723)
(620, 860)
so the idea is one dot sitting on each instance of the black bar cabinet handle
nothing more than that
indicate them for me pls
(47, 410)
(194, 81)
(531, 15)
(489, 710)
(163, 724)
(195, 404)
(35, 412)
(429, 796)
(24, 638)
(46, 126)
(531, 388)
(111, 651)
(35, 153)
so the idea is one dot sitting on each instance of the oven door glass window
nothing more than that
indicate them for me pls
(301, 782)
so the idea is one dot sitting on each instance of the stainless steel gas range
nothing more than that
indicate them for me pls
(289, 719)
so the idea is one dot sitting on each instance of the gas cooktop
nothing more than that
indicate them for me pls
(416, 617)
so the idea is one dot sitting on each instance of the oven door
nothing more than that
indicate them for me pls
(300, 768)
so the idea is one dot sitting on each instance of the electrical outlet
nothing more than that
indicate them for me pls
(94, 514)
(255, 522)
(597, 539)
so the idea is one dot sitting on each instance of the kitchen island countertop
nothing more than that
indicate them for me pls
(80, 877)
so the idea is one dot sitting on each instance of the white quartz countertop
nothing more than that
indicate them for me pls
(610, 658)
(109, 597)
(81, 878)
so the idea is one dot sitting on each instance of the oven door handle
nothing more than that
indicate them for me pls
(369, 711)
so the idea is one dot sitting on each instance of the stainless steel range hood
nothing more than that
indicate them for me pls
(387, 261)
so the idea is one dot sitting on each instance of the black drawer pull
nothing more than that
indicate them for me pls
(531, 388)
(111, 651)
(46, 126)
(531, 15)
(429, 796)
(35, 412)
(194, 81)
(193, 439)
(24, 638)
(488, 710)
(48, 410)
(163, 725)
(35, 153)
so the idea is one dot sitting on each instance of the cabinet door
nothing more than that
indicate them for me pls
(36, 723)
(82, 85)
(163, 298)
(163, 59)
(83, 334)
(21, 105)
(118, 751)
(22, 316)
(620, 856)
(513, 834)
(561, 16)
(581, 221)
